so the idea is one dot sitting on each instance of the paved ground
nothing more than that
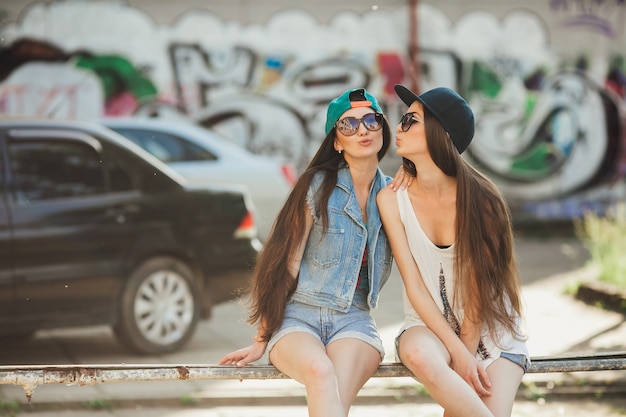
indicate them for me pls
(569, 408)
(557, 324)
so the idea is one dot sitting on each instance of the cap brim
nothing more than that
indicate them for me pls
(406, 95)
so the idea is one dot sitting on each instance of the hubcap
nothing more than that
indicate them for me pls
(164, 307)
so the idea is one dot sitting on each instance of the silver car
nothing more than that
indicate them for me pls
(203, 156)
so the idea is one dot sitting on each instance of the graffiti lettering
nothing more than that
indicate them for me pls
(268, 92)
(73, 94)
(603, 16)
(203, 70)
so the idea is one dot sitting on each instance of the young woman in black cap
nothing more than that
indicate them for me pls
(451, 235)
(324, 263)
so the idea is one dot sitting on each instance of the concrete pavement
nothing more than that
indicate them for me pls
(557, 324)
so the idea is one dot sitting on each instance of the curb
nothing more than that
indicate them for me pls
(591, 384)
(547, 391)
(610, 384)
(602, 295)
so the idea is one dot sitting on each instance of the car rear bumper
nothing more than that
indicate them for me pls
(224, 287)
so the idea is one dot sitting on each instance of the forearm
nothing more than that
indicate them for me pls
(262, 335)
(430, 314)
(470, 334)
(471, 327)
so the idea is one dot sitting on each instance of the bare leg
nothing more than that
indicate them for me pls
(303, 357)
(425, 355)
(505, 378)
(355, 362)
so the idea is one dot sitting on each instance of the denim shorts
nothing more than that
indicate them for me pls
(329, 325)
(518, 359)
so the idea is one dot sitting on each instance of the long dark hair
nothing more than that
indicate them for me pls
(484, 261)
(272, 283)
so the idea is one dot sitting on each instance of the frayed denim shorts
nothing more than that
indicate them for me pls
(517, 358)
(329, 325)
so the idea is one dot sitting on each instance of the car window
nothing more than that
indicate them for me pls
(119, 178)
(121, 173)
(194, 152)
(167, 147)
(44, 170)
(129, 171)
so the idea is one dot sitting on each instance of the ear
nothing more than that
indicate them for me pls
(337, 146)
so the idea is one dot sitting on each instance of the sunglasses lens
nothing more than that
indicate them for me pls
(373, 121)
(406, 122)
(348, 125)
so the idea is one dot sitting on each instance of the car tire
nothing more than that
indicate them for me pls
(159, 308)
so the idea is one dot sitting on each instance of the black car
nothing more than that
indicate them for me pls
(94, 230)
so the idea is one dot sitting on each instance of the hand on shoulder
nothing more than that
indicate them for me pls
(401, 180)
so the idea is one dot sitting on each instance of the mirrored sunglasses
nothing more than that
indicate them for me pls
(407, 121)
(348, 126)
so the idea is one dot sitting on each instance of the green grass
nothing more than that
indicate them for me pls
(9, 409)
(605, 238)
(98, 405)
(188, 400)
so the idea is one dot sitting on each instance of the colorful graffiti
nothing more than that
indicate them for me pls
(603, 16)
(550, 129)
(83, 84)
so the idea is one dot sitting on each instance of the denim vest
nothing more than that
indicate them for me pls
(331, 262)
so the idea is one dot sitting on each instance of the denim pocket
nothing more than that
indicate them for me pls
(327, 246)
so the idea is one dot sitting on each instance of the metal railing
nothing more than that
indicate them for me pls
(31, 376)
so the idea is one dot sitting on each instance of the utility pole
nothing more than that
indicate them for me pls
(414, 67)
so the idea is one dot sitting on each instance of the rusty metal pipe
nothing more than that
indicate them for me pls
(31, 376)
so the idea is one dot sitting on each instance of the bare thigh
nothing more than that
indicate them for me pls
(355, 361)
(295, 353)
(418, 346)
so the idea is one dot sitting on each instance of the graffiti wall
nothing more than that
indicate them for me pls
(548, 86)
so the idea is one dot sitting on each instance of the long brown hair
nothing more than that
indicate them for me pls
(485, 265)
(272, 283)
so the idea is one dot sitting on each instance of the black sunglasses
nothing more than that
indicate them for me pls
(407, 121)
(348, 126)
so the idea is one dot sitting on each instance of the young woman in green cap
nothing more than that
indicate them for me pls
(323, 266)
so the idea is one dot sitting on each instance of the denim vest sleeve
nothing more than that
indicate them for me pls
(311, 195)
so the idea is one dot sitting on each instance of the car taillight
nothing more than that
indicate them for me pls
(247, 228)
(290, 174)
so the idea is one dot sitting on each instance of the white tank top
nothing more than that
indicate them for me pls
(436, 265)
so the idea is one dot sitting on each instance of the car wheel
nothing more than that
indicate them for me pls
(159, 310)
